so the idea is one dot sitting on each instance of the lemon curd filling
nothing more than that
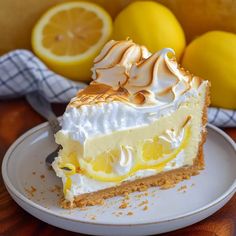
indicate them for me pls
(148, 154)
(169, 142)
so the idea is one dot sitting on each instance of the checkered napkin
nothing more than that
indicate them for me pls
(21, 73)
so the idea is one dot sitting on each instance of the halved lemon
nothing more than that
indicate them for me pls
(69, 36)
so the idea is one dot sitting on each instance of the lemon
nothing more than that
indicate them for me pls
(156, 153)
(153, 149)
(213, 57)
(69, 36)
(102, 167)
(150, 24)
(200, 16)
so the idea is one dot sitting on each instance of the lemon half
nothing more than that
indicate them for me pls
(69, 36)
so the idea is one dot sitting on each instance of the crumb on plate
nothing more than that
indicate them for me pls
(183, 187)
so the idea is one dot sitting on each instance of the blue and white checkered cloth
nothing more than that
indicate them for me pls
(21, 72)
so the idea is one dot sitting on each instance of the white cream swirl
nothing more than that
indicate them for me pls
(150, 79)
(125, 162)
(159, 75)
(171, 138)
(112, 65)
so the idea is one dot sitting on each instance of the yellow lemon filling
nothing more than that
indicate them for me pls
(152, 154)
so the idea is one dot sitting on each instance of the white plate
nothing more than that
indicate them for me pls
(23, 166)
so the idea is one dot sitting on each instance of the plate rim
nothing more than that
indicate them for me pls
(11, 188)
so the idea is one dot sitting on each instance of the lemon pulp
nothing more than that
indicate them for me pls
(72, 32)
(69, 36)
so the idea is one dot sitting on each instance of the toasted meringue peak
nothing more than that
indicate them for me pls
(119, 76)
(99, 93)
(116, 59)
(127, 72)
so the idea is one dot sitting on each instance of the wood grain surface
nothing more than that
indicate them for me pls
(16, 117)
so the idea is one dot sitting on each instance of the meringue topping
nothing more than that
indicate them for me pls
(129, 73)
(116, 59)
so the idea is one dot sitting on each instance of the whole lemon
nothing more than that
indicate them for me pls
(150, 24)
(200, 16)
(213, 57)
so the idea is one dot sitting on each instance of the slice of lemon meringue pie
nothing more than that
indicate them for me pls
(140, 123)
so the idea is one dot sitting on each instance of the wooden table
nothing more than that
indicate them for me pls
(16, 117)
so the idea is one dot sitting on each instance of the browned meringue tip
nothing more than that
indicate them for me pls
(127, 72)
(99, 93)
(113, 45)
(94, 88)
(138, 98)
(122, 91)
(166, 91)
(186, 121)
(196, 81)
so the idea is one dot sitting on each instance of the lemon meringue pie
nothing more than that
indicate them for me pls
(140, 123)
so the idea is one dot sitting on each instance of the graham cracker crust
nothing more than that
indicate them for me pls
(163, 180)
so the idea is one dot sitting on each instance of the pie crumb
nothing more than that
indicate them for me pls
(123, 205)
(55, 188)
(183, 187)
(127, 197)
(31, 191)
(93, 217)
(145, 208)
(42, 176)
(143, 203)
